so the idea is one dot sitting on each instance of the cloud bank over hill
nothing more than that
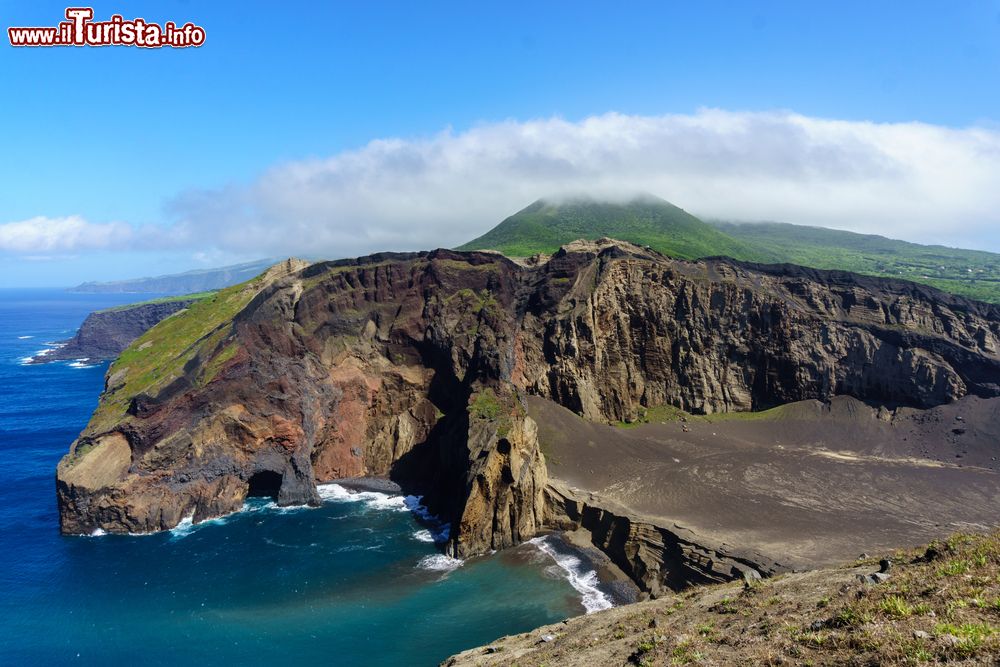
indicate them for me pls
(913, 181)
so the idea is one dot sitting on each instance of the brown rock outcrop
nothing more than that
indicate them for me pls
(505, 493)
(630, 329)
(658, 557)
(413, 366)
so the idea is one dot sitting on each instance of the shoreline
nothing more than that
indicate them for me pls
(372, 484)
(614, 581)
(617, 585)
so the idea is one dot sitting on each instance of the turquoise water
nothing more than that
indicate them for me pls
(355, 582)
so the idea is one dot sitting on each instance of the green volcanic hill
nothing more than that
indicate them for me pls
(547, 224)
(646, 220)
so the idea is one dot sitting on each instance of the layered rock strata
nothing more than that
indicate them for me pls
(656, 555)
(415, 366)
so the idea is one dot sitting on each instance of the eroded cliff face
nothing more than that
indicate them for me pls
(505, 485)
(658, 557)
(415, 367)
(107, 333)
(397, 366)
(721, 336)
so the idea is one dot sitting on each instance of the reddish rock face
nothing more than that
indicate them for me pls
(414, 367)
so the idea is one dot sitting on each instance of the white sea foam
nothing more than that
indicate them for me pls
(333, 492)
(382, 501)
(258, 507)
(438, 529)
(81, 363)
(415, 505)
(185, 527)
(584, 581)
(100, 532)
(287, 508)
(440, 563)
(373, 499)
(188, 526)
(24, 337)
(37, 355)
(49, 349)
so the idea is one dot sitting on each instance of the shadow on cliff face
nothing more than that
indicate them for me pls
(437, 467)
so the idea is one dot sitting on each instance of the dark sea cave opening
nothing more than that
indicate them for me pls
(264, 484)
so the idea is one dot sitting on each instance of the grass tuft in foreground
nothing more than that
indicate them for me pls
(929, 611)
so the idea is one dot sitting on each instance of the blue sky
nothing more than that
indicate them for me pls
(171, 141)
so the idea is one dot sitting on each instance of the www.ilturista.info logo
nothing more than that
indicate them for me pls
(80, 30)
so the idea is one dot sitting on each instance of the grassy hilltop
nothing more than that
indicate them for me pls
(546, 224)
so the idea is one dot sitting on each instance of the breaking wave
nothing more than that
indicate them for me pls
(37, 355)
(440, 563)
(373, 499)
(188, 526)
(437, 530)
(584, 581)
(49, 349)
(185, 527)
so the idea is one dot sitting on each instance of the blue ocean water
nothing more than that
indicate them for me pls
(355, 582)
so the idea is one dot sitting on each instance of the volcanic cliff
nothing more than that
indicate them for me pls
(107, 333)
(417, 367)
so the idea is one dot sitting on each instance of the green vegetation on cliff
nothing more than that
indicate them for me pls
(545, 225)
(202, 333)
(197, 296)
(158, 357)
(663, 414)
(970, 273)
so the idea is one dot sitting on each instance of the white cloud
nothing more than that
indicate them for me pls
(49, 239)
(44, 235)
(907, 180)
